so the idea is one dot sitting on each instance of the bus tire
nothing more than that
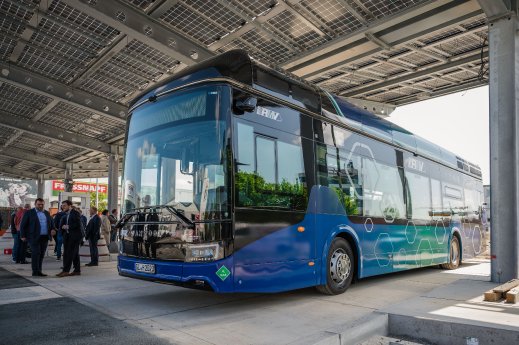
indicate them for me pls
(340, 265)
(454, 255)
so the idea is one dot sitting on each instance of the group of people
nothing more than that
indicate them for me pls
(35, 228)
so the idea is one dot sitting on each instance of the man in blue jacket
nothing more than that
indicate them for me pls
(36, 228)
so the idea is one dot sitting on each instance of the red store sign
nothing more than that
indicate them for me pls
(80, 187)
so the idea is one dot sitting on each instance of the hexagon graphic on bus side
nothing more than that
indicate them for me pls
(383, 249)
(357, 146)
(410, 232)
(425, 253)
(477, 240)
(440, 232)
(368, 225)
(400, 259)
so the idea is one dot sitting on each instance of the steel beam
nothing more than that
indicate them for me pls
(278, 36)
(408, 77)
(76, 175)
(291, 7)
(140, 26)
(41, 185)
(18, 173)
(118, 45)
(28, 32)
(378, 108)
(50, 88)
(438, 92)
(113, 178)
(247, 27)
(37, 117)
(160, 8)
(297, 9)
(495, 9)
(32, 157)
(379, 42)
(49, 162)
(353, 11)
(397, 29)
(51, 132)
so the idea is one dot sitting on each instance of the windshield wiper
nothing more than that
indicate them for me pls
(147, 210)
(180, 216)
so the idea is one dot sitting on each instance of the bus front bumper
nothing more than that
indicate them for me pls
(216, 275)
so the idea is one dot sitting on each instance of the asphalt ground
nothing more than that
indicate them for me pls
(9, 280)
(58, 320)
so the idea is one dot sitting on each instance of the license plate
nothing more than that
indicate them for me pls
(145, 268)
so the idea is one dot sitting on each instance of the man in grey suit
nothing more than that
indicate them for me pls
(36, 228)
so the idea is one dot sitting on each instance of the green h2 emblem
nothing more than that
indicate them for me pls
(223, 272)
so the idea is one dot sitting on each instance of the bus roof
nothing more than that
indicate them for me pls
(238, 66)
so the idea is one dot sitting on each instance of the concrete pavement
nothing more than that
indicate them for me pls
(182, 316)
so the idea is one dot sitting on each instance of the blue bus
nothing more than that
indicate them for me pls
(241, 178)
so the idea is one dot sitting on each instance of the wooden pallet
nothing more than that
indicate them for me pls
(502, 291)
(512, 296)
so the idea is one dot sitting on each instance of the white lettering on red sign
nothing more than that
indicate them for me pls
(80, 187)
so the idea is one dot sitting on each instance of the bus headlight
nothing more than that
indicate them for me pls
(204, 252)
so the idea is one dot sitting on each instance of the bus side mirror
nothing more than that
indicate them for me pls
(247, 104)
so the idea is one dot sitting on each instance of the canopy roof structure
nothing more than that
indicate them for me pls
(69, 68)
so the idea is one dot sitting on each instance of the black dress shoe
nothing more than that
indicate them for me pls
(39, 274)
(42, 274)
(90, 264)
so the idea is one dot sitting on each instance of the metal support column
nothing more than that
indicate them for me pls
(504, 146)
(41, 186)
(68, 181)
(113, 178)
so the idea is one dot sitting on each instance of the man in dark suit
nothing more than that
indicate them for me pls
(93, 234)
(70, 226)
(36, 228)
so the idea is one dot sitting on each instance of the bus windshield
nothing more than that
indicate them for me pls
(175, 155)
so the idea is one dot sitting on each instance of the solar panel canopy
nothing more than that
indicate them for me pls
(70, 67)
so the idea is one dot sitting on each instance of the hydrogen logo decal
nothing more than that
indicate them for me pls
(269, 114)
(223, 272)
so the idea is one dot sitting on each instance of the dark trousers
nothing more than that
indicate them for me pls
(71, 253)
(38, 248)
(22, 250)
(94, 253)
(59, 244)
(16, 245)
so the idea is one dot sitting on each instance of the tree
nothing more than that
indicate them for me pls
(103, 201)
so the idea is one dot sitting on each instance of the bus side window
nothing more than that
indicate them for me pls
(383, 191)
(342, 175)
(270, 171)
(420, 195)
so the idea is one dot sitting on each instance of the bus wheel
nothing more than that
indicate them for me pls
(340, 266)
(455, 255)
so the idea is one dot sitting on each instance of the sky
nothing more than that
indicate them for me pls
(457, 122)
